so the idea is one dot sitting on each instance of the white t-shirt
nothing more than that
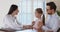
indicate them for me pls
(10, 22)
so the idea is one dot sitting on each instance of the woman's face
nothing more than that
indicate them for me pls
(16, 12)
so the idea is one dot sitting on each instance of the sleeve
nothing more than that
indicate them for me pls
(56, 24)
(9, 25)
(45, 28)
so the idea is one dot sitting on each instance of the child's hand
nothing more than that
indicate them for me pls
(33, 23)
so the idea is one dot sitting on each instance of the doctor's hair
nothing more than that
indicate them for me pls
(12, 8)
(39, 10)
(52, 5)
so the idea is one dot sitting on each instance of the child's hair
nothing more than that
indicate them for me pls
(39, 10)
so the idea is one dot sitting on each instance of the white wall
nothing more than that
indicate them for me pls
(4, 7)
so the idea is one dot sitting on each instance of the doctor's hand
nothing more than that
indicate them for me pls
(27, 26)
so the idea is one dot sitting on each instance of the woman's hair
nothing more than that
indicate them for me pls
(12, 8)
(39, 10)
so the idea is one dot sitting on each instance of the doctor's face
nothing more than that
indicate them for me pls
(16, 12)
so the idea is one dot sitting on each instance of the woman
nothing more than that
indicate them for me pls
(10, 21)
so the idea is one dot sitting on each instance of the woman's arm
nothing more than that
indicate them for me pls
(27, 26)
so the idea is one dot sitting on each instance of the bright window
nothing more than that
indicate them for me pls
(27, 10)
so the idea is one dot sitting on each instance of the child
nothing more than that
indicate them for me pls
(38, 22)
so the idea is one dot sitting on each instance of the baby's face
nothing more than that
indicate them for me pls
(37, 14)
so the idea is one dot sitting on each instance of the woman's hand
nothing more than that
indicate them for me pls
(40, 24)
(27, 26)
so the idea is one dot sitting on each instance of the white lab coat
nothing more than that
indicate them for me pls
(10, 22)
(52, 23)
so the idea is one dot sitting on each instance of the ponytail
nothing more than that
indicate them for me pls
(43, 19)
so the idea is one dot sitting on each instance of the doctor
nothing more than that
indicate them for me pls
(51, 21)
(10, 22)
